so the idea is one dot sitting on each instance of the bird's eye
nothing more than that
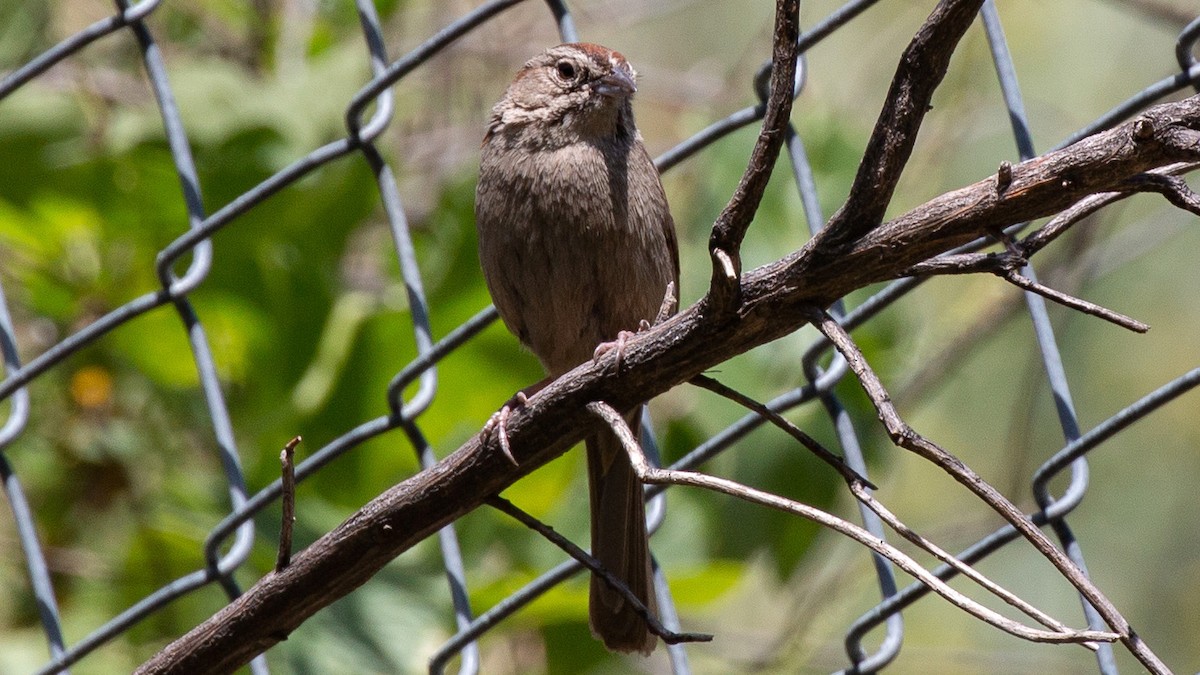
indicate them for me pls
(566, 70)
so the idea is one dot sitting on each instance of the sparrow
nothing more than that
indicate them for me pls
(578, 249)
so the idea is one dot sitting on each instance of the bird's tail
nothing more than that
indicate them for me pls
(619, 542)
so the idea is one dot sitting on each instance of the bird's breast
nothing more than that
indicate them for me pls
(568, 261)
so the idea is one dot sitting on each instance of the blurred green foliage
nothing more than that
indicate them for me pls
(308, 321)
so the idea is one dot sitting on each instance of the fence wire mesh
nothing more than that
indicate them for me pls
(229, 544)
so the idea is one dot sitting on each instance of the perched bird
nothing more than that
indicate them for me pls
(578, 248)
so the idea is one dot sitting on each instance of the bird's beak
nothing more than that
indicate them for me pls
(617, 83)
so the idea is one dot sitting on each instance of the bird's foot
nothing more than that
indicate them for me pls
(498, 423)
(617, 346)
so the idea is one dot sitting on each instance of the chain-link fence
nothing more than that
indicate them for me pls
(230, 543)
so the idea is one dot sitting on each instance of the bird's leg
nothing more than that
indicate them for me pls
(669, 304)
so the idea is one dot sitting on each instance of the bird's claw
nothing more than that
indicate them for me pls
(498, 423)
(617, 345)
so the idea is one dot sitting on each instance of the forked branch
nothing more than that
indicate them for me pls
(655, 476)
(905, 437)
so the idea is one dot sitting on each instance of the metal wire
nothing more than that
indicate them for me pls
(815, 382)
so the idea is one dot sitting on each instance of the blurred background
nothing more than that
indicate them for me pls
(308, 320)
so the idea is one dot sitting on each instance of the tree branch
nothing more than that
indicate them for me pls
(725, 242)
(1039, 187)
(774, 300)
(921, 69)
(906, 437)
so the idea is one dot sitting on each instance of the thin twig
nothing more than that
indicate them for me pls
(1174, 188)
(669, 306)
(966, 570)
(859, 487)
(1039, 238)
(1017, 279)
(1004, 265)
(668, 636)
(966, 263)
(287, 460)
(824, 454)
(725, 241)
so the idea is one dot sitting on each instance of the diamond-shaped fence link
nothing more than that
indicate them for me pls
(229, 543)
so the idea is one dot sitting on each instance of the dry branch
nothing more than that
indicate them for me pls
(921, 69)
(656, 476)
(1039, 187)
(730, 228)
(859, 487)
(570, 548)
(773, 301)
(904, 436)
(287, 460)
